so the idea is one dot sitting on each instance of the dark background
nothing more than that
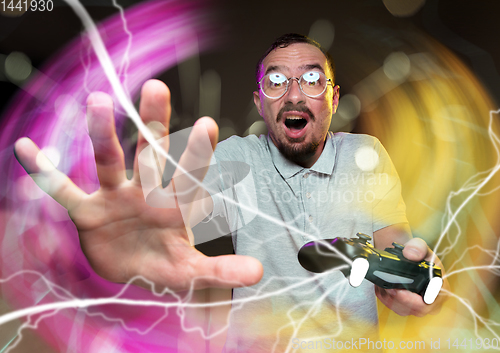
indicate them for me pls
(364, 32)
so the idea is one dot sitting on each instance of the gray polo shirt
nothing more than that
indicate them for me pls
(273, 207)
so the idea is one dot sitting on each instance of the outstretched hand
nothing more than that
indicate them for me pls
(120, 234)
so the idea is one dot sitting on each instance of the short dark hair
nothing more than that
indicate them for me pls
(292, 38)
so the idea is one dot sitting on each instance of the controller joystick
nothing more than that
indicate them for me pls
(396, 250)
(357, 259)
(363, 237)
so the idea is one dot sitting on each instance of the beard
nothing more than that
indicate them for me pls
(293, 149)
(296, 152)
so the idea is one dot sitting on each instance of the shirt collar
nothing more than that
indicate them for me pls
(326, 160)
(324, 164)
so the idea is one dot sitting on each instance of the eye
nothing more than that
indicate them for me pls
(311, 78)
(277, 80)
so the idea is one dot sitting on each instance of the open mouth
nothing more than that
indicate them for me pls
(295, 123)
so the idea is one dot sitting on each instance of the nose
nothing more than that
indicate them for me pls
(294, 94)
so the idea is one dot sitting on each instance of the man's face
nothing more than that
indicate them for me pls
(297, 124)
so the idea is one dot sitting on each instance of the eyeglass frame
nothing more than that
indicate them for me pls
(328, 81)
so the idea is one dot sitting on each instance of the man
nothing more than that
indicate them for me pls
(304, 179)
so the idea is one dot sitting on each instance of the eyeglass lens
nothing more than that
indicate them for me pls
(312, 83)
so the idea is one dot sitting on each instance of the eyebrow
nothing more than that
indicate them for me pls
(280, 68)
(312, 66)
(274, 68)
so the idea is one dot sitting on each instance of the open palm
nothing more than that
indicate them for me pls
(120, 234)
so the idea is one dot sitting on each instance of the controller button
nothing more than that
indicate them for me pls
(394, 251)
(432, 290)
(358, 271)
(389, 277)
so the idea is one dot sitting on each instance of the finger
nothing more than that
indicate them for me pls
(412, 303)
(402, 302)
(155, 111)
(383, 296)
(227, 271)
(48, 178)
(108, 153)
(431, 257)
(416, 249)
(194, 163)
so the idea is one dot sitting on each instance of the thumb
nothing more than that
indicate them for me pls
(227, 271)
(415, 249)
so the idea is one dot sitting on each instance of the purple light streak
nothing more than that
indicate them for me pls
(36, 232)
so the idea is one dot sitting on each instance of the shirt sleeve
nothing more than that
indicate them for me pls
(215, 186)
(388, 207)
(229, 181)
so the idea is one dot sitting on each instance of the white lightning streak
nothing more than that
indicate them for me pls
(479, 187)
(310, 313)
(126, 61)
(85, 303)
(476, 317)
(124, 100)
(107, 65)
(494, 254)
(110, 72)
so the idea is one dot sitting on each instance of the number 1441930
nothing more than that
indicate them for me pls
(479, 343)
(24, 5)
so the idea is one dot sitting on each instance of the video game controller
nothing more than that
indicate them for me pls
(385, 268)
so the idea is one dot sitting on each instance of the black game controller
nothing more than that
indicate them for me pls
(387, 269)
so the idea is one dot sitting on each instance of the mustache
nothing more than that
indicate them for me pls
(294, 108)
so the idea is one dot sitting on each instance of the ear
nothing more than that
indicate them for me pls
(256, 100)
(336, 96)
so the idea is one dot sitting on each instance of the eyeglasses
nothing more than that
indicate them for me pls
(312, 83)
